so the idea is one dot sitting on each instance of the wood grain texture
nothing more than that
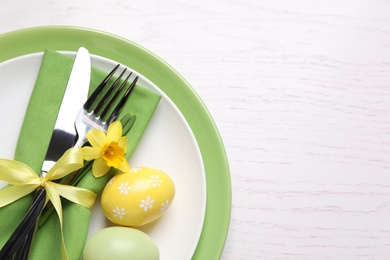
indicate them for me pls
(300, 92)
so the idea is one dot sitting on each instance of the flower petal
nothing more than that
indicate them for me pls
(91, 153)
(96, 138)
(114, 132)
(99, 167)
(122, 142)
(124, 166)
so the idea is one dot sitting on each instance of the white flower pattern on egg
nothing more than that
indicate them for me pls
(119, 213)
(155, 180)
(135, 169)
(146, 203)
(124, 188)
(165, 205)
(110, 181)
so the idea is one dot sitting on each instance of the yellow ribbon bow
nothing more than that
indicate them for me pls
(25, 181)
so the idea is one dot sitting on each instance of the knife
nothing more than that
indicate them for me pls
(63, 137)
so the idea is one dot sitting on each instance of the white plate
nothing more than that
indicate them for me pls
(168, 144)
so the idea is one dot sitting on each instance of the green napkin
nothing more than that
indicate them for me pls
(31, 149)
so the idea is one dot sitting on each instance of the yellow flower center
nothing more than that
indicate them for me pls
(113, 154)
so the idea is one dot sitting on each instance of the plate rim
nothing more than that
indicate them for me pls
(218, 185)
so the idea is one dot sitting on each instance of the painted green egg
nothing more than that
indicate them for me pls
(120, 243)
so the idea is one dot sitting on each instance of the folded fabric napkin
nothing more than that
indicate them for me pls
(31, 148)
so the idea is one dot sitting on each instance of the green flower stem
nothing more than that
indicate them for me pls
(81, 173)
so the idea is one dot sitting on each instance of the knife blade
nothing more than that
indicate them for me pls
(63, 137)
(64, 133)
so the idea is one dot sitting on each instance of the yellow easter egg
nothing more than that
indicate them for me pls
(138, 197)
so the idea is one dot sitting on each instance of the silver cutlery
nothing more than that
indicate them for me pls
(62, 138)
(106, 111)
(90, 116)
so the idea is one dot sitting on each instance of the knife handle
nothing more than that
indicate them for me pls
(25, 226)
(24, 248)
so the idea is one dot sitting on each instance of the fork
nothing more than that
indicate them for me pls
(90, 116)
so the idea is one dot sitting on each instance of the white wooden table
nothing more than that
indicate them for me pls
(300, 92)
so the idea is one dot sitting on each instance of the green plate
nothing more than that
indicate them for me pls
(218, 203)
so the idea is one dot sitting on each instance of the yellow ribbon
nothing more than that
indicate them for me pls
(25, 181)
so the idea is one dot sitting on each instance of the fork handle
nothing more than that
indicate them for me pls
(25, 226)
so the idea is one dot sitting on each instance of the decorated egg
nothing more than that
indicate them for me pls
(120, 243)
(138, 197)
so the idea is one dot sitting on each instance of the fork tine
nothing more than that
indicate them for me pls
(93, 96)
(108, 106)
(120, 105)
(108, 93)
